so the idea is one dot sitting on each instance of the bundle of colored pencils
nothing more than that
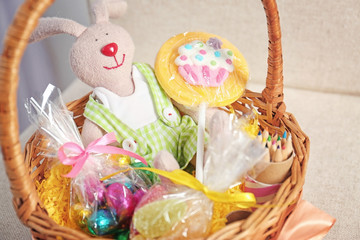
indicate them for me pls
(280, 148)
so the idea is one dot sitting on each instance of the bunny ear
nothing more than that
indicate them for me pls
(105, 9)
(51, 26)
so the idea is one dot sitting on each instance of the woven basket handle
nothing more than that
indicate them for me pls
(273, 92)
(15, 42)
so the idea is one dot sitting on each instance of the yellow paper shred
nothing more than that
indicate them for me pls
(252, 128)
(249, 123)
(221, 210)
(252, 124)
(54, 193)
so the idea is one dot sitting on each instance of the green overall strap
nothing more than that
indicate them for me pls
(160, 98)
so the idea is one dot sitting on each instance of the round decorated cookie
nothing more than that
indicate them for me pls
(197, 67)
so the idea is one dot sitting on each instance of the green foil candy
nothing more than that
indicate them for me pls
(102, 222)
(123, 235)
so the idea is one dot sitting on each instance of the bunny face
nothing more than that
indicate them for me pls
(102, 57)
(102, 54)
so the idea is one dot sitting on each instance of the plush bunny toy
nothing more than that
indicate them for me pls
(127, 98)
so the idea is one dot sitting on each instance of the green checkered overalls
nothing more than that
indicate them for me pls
(170, 132)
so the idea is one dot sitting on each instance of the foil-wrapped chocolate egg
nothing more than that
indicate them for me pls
(79, 214)
(138, 195)
(94, 189)
(102, 222)
(121, 199)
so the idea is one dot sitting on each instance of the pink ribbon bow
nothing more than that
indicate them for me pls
(81, 155)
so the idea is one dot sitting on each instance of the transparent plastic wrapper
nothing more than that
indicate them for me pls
(53, 119)
(106, 207)
(231, 153)
(172, 212)
(99, 204)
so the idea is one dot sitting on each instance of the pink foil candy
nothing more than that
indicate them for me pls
(122, 200)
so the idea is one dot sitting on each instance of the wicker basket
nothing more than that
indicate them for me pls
(23, 168)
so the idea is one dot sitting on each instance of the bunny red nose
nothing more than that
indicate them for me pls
(110, 50)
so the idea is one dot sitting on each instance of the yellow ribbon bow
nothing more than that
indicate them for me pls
(241, 199)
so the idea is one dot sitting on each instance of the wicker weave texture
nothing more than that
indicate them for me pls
(23, 169)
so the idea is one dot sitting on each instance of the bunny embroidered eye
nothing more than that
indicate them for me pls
(96, 40)
(106, 34)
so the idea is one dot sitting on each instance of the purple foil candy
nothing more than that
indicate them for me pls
(122, 200)
(138, 195)
(94, 190)
(215, 43)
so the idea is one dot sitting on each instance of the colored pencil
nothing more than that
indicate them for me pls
(278, 142)
(265, 133)
(284, 137)
(263, 142)
(288, 150)
(278, 155)
(268, 142)
(259, 136)
(279, 147)
(273, 149)
(267, 157)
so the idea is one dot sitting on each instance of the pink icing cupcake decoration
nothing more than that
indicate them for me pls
(203, 64)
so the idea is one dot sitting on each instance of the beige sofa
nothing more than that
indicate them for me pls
(321, 69)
